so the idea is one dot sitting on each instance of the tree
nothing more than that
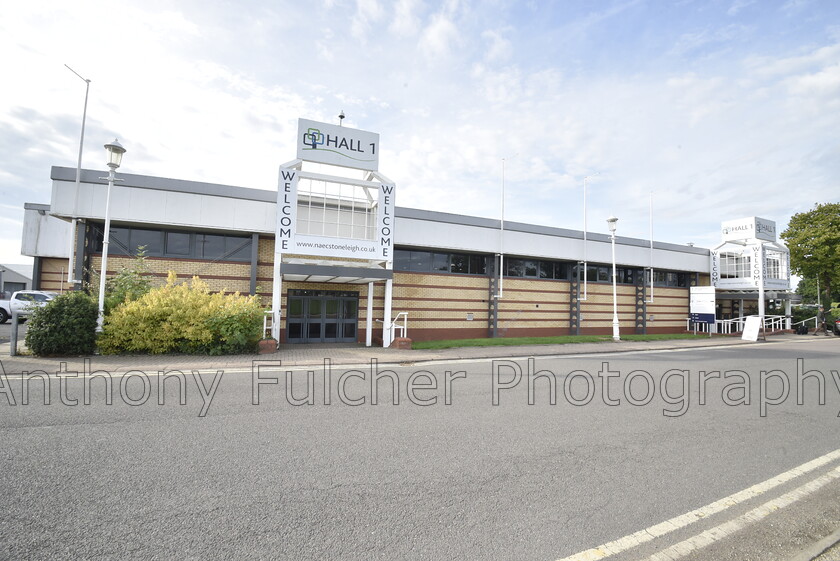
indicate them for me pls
(66, 325)
(130, 283)
(813, 238)
(807, 288)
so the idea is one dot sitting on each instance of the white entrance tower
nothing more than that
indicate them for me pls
(330, 227)
(751, 262)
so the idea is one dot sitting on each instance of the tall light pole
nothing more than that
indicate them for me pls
(71, 265)
(115, 153)
(612, 221)
(585, 262)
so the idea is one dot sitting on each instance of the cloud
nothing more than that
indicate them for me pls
(499, 49)
(406, 22)
(739, 5)
(439, 38)
(368, 12)
(719, 37)
(214, 95)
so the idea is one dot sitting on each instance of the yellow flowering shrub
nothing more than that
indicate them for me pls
(184, 318)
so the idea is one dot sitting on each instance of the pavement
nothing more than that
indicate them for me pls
(356, 354)
(302, 355)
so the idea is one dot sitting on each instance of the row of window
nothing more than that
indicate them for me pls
(436, 262)
(461, 263)
(596, 273)
(174, 243)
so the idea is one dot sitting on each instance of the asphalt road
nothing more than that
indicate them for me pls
(422, 479)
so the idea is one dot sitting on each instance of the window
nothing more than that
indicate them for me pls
(209, 246)
(734, 265)
(237, 248)
(150, 240)
(438, 262)
(117, 241)
(603, 274)
(514, 267)
(459, 263)
(402, 260)
(546, 270)
(530, 268)
(420, 261)
(478, 264)
(177, 243)
(172, 243)
(670, 278)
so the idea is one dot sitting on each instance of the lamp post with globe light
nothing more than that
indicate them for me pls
(115, 152)
(611, 222)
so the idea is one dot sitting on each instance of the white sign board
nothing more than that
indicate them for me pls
(702, 300)
(751, 327)
(752, 228)
(338, 146)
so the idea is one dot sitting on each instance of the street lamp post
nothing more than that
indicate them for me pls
(115, 153)
(611, 221)
(71, 272)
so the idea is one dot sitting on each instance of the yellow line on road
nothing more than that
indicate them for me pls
(627, 542)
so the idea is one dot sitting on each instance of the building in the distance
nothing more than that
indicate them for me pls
(337, 261)
(14, 278)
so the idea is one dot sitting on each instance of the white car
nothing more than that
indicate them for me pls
(24, 302)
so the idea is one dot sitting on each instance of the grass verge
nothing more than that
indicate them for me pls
(558, 340)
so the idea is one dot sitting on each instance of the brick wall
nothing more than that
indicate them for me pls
(54, 275)
(597, 310)
(669, 310)
(220, 276)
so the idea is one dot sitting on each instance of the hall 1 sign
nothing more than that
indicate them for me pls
(753, 228)
(338, 146)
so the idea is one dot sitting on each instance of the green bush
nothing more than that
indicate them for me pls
(130, 283)
(66, 325)
(184, 318)
(800, 313)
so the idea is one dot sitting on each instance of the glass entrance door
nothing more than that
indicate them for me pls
(321, 316)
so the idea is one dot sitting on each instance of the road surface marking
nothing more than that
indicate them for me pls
(627, 542)
(710, 536)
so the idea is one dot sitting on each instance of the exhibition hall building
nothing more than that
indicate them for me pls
(336, 260)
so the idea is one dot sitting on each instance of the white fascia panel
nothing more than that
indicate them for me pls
(182, 209)
(421, 233)
(216, 212)
(253, 216)
(44, 235)
(143, 205)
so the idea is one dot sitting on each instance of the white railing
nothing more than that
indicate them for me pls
(397, 329)
(806, 320)
(268, 318)
(735, 325)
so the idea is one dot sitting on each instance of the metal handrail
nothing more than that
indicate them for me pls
(402, 329)
(808, 319)
(736, 325)
(268, 319)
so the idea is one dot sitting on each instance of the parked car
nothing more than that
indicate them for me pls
(24, 303)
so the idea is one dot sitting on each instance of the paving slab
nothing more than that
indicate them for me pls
(353, 354)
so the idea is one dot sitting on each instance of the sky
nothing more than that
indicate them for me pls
(713, 110)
